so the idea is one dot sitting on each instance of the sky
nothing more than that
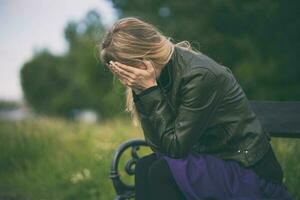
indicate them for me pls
(26, 25)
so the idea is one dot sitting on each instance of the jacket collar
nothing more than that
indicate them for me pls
(165, 78)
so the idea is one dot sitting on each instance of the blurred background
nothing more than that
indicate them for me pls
(62, 114)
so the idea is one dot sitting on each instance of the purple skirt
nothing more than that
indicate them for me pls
(201, 176)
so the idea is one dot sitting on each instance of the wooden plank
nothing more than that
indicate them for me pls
(279, 118)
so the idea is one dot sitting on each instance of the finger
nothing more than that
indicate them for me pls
(121, 73)
(126, 82)
(125, 73)
(124, 77)
(121, 79)
(127, 79)
(128, 68)
(114, 69)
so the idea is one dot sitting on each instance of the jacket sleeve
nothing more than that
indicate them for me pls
(173, 135)
(136, 96)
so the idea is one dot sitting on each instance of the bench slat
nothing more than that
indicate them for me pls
(279, 118)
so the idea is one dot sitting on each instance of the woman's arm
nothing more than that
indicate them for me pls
(172, 135)
(137, 95)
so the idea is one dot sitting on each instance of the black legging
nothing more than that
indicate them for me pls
(154, 180)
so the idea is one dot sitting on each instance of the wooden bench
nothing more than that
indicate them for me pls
(280, 119)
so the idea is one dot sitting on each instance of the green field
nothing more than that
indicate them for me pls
(53, 159)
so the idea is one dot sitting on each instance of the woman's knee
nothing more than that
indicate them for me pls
(159, 172)
(143, 164)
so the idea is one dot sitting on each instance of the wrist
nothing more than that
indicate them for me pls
(145, 91)
(154, 84)
(138, 91)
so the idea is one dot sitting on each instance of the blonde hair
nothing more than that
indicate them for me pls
(131, 40)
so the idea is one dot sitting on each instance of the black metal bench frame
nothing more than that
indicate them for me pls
(280, 119)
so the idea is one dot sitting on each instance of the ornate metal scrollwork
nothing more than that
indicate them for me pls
(125, 191)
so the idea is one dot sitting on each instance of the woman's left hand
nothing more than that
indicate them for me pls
(133, 77)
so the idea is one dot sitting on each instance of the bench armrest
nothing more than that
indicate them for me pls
(125, 191)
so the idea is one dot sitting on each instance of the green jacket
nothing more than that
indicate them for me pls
(202, 108)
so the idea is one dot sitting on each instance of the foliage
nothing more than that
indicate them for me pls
(57, 85)
(256, 39)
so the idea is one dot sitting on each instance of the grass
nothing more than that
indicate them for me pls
(55, 159)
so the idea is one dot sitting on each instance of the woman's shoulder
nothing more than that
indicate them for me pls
(192, 63)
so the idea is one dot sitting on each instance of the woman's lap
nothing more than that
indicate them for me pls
(201, 176)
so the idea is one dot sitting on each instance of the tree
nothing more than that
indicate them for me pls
(76, 80)
(256, 39)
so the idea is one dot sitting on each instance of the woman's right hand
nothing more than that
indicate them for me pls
(136, 90)
(135, 78)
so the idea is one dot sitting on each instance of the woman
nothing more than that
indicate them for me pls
(207, 141)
